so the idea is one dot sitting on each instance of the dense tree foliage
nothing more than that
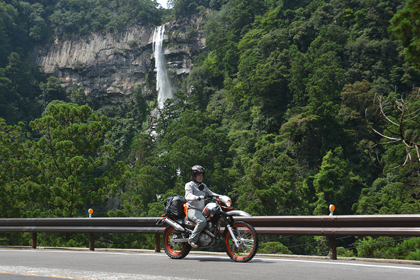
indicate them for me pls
(23, 24)
(293, 84)
(73, 163)
(405, 26)
(85, 16)
(290, 108)
(15, 165)
(64, 170)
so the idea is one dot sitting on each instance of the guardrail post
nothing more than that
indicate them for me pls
(333, 247)
(157, 243)
(34, 235)
(92, 241)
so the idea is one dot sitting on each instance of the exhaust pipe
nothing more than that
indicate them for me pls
(173, 224)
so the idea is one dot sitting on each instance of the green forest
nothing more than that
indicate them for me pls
(293, 105)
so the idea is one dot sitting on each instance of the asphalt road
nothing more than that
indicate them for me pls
(61, 264)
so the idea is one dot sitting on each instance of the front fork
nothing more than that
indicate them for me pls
(233, 235)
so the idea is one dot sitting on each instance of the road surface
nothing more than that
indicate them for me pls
(62, 264)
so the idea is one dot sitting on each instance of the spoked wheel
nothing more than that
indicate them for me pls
(175, 250)
(248, 242)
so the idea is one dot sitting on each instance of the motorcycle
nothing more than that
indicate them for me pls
(239, 238)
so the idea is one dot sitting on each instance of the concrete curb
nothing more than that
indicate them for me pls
(209, 253)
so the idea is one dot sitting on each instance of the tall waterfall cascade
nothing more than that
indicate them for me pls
(163, 84)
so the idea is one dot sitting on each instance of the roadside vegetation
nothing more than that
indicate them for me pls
(293, 105)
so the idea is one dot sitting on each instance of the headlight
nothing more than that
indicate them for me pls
(226, 200)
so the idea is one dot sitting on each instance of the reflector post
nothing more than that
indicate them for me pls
(332, 209)
(90, 211)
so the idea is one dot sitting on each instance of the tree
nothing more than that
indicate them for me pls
(398, 124)
(75, 168)
(51, 90)
(126, 121)
(355, 100)
(144, 183)
(406, 27)
(77, 95)
(336, 184)
(271, 184)
(15, 165)
(183, 8)
(387, 195)
(38, 26)
(193, 139)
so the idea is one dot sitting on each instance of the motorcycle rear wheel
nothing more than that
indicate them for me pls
(175, 250)
(248, 239)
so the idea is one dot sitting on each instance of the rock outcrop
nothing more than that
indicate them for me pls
(112, 65)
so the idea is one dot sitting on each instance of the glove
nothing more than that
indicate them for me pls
(201, 197)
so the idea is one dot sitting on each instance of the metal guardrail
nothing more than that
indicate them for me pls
(85, 225)
(355, 225)
(330, 226)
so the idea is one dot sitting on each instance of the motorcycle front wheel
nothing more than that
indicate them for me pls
(248, 242)
(175, 250)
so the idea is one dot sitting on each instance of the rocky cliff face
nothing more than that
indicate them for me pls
(113, 65)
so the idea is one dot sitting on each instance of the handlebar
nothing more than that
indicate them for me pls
(207, 197)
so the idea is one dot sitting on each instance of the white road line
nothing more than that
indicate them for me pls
(223, 257)
(79, 274)
(341, 263)
(40, 251)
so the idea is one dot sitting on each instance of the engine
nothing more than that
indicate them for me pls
(205, 240)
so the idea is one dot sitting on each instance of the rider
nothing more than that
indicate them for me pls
(195, 192)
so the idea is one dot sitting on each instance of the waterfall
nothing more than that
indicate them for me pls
(163, 85)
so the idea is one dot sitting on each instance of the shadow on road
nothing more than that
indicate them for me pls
(225, 260)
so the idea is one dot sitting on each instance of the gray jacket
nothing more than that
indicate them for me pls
(193, 193)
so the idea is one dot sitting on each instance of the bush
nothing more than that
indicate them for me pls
(342, 252)
(273, 248)
(132, 44)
